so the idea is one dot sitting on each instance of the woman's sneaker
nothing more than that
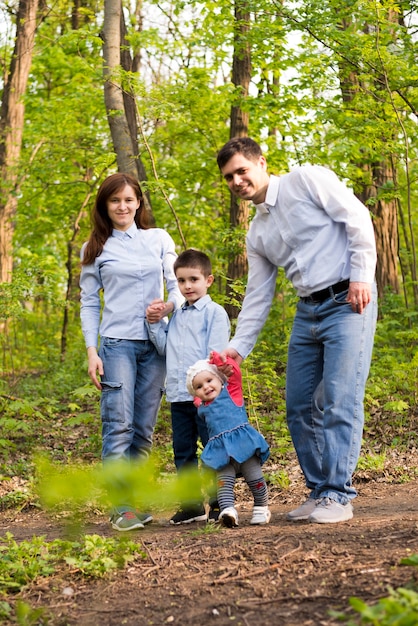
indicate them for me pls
(261, 515)
(125, 519)
(229, 517)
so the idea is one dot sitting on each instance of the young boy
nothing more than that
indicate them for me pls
(196, 329)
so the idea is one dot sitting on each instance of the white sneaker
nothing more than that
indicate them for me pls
(329, 511)
(229, 517)
(303, 511)
(261, 515)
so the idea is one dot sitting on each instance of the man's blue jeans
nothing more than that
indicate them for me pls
(328, 363)
(132, 387)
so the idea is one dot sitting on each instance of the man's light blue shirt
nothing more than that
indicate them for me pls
(192, 333)
(131, 271)
(314, 227)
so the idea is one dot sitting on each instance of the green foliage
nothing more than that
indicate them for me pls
(400, 608)
(74, 487)
(93, 556)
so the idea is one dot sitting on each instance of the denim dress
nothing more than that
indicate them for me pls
(231, 436)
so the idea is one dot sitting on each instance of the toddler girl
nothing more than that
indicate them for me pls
(234, 448)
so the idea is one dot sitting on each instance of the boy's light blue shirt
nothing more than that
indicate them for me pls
(192, 333)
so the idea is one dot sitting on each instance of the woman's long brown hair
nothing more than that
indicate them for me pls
(102, 225)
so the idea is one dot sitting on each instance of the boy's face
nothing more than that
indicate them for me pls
(207, 386)
(192, 284)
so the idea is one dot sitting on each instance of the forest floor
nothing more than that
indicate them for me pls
(284, 574)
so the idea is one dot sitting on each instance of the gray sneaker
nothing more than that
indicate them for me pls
(303, 511)
(329, 511)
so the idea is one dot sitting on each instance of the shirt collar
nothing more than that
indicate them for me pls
(124, 234)
(199, 304)
(271, 196)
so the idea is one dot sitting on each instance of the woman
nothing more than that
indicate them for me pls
(129, 262)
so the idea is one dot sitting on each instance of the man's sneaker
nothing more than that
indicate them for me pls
(186, 516)
(125, 520)
(145, 518)
(261, 515)
(329, 511)
(229, 517)
(303, 511)
(213, 515)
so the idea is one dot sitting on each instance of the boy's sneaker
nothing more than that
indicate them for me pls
(229, 517)
(213, 516)
(261, 515)
(186, 516)
(124, 520)
(303, 511)
(329, 511)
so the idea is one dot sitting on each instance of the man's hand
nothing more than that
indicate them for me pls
(233, 354)
(359, 295)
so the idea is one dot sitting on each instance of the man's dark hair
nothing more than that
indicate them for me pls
(196, 259)
(239, 145)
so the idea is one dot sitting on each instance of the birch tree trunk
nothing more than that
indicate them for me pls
(11, 129)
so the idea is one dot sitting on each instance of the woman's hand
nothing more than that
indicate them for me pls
(157, 310)
(95, 366)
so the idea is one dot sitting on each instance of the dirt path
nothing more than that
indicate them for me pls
(282, 574)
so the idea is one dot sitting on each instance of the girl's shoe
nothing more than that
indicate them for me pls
(229, 517)
(261, 515)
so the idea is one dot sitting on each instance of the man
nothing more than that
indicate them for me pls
(312, 225)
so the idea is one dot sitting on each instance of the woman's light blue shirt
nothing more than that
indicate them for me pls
(131, 271)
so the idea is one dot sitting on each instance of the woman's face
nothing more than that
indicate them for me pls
(122, 207)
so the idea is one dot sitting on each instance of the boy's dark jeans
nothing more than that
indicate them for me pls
(188, 428)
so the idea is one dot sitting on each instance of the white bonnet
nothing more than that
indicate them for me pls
(201, 366)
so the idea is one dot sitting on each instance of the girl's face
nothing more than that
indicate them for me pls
(207, 386)
(122, 207)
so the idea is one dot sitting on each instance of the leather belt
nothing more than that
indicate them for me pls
(328, 292)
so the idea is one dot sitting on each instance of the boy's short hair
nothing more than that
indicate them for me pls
(239, 145)
(194, 258)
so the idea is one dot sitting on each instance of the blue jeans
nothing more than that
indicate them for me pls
(329, 358)
(132, 386)
(187, 427)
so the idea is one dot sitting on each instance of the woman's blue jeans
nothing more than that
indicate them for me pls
(132, 387)
(329, 358)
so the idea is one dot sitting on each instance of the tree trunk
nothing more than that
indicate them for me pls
(11, 129)
(239, 209)
(380, 174)
(120, 101)
(385, 221)
(113, 92)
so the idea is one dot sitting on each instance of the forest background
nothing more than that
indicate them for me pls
(156, 88)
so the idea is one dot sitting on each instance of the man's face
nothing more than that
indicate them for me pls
(247, 179)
